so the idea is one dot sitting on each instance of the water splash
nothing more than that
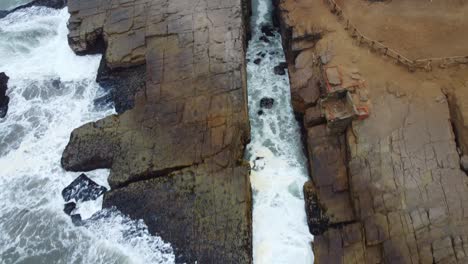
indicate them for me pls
(280, 231)
(51, 92)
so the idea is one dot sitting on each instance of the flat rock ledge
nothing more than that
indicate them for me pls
(389, 189)
(176, 154)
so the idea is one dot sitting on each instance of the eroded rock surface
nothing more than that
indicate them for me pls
(177, 154)
(391, 186)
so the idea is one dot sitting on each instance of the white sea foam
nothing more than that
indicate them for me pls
(280, 231)
(51, 92)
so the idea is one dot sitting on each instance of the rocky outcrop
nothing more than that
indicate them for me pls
(177, 154)
(199, 208)
(57, 4)
(4, 99)
(390, 189)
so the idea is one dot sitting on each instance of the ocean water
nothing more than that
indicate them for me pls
(279, 166)
(10, 4)
(51, 92)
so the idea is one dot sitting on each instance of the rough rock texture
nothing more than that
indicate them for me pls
(4, 99)
(177, 154)
(57, 4)
(391, 186)
(199, 208)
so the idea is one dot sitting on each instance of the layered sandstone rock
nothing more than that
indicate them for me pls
(390, 189)
(176, 156)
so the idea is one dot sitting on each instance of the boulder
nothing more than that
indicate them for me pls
(4, 99)
(83, 189)
(267, 102)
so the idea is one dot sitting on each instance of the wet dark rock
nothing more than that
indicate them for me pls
(104, 101)
(268, 30)
(260, 112)
(186, 200)
(76, 220)
(69, 207)
(56, 83)
(264, 39)
(267, 102)
(122, 84)
(83, 189)
(56, 4)
(280, 69)
(4, 99)
(257, 61)
(261, 54)
(316, 218)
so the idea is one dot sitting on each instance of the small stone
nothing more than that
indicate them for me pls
(280, 69)
(464, 163)
(267, 102)
(260, 112)
(325, 58)
(257, 61)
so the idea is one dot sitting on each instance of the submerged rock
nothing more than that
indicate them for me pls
(4, 99)
(257, 61)
(264, 39)
(83, 189)
(267, 102)
(268, 30)
(280, 69)
(76, 219)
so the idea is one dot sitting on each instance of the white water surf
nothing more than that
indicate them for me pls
(33, 228)
(279, 166)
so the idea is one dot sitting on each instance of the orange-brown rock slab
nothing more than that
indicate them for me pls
(405, 187)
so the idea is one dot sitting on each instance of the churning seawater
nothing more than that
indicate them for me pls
(279, 166)
(51, 92)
